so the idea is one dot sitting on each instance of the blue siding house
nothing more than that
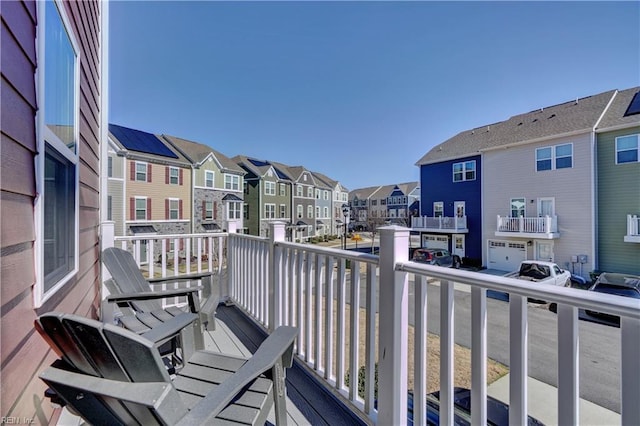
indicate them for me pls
(450, 200)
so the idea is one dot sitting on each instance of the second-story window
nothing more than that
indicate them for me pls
(141, 208)
(208, 178)
(110, 167)
(299, 211)
(464, 171)
(554, 157)
(309, 192)
(317, 211)
(283, 210)
(269, 211)
(173, 205)
(141, 172)
(517, 207)
(299, 190)
(438, 209)
(309, 212)
(283, 189)
(232, 182)
(269, 188)
(627, 148)
(174, 176)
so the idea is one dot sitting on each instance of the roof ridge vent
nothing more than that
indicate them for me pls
(552, 115)
(576, 101)
(488, 128)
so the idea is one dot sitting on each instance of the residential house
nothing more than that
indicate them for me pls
(324, 205)
(539, 186)
(339, 199)
(451, 196)
(303, 201)
(398, 203)
(157, 186)
(618, 177)
(54, 131)
(218, 183)
(267, 195)
(361, 205)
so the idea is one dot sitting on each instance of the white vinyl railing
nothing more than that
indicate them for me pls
(439, 223)
(352, 312)
(528, 225)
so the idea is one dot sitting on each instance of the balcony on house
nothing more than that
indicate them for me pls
(633, 229)
(443, 224)
(273, 282)
(543, 227)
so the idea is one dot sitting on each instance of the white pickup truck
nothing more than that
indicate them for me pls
(542, 272)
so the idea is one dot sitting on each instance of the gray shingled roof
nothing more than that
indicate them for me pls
(145, 156)
(569, 117)
(197, 152)
(614, 117)
(363, 193)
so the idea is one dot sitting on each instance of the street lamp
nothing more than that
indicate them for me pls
(345, 213)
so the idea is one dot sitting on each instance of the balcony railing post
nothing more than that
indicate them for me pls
(393, 327)
(107, 239)
(276, 234)
(225, 285)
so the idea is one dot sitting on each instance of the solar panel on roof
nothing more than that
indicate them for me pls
(258, 163)
(634, 105)
(280, 174)
(137, 140)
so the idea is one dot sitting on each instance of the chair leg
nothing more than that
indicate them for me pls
(279, 393)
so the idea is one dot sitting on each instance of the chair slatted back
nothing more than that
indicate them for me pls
(127, 277)
(103, 350)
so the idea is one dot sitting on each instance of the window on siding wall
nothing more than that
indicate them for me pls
(309, 212)
(283, 210)
(438, 209)
(270, 188)
(627, 148)
(517, 207)
(554, 157)
(57, 178)
(174, 209)
(208, 178)
(141, 171)
(464, 171)
(141, 208)
(174, 175)
(232, 182)
(109, 166)
(109, 207)
(269, 211)
(283, 189)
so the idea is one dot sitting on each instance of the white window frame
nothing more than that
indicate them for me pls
(209, 176)
(44, 137)
(146, 169)
(299, 190)
(309, 191)
(283, 210)
(110, 166)
(637, 149)
(269, 211)
(135, 208)
(524, 206)
(299, 211)
(234, 210)
(283, 189)
(438, 206)
(464, 171)
(231, 182)
(269, 188)
(554, 157)
(309, 211)
(177, 208)
(208, 216)
(172, 177)
(326, 212)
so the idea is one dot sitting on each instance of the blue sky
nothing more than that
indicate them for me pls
(358, 91)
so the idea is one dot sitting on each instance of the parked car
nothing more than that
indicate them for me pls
(625, 285)
(440, 257)
(497, 411)
(542, 272)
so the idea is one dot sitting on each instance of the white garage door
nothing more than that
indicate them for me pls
(435, 241)
(506, 255)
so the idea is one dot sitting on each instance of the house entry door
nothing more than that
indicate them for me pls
(458, 245)
(546, 207)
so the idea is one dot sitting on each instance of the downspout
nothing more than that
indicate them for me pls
(594, 187)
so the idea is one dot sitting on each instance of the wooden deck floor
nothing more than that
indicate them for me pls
(308, 403)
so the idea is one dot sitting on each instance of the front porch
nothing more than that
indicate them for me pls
(276, 282)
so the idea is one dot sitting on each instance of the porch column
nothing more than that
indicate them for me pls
(225, 285)
(107, 239)
(275, 284)
(393, 327)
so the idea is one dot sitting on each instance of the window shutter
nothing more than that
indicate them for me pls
(148, 208)
(166, 208)
(166, 175)
(180, 209)
(215, 210)
(132, 208)
(133, 170)
(181, 170)
(148, 172)
(204, 210)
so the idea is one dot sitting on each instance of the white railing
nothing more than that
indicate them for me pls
(312, 288)
(633, 225)
(528, 225)
(440, 223)
(316, 289)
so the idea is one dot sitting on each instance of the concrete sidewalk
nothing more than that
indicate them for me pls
(542, 403)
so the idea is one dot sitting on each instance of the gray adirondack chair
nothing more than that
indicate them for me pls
(110, 375)
(141, 305)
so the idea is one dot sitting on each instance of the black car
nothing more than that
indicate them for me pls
(497, 411)
(625, 285)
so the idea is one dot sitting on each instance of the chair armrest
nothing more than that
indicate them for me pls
(150, 295)
(183, 277)
(274, 350)
(155, 395)
(160, 333)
